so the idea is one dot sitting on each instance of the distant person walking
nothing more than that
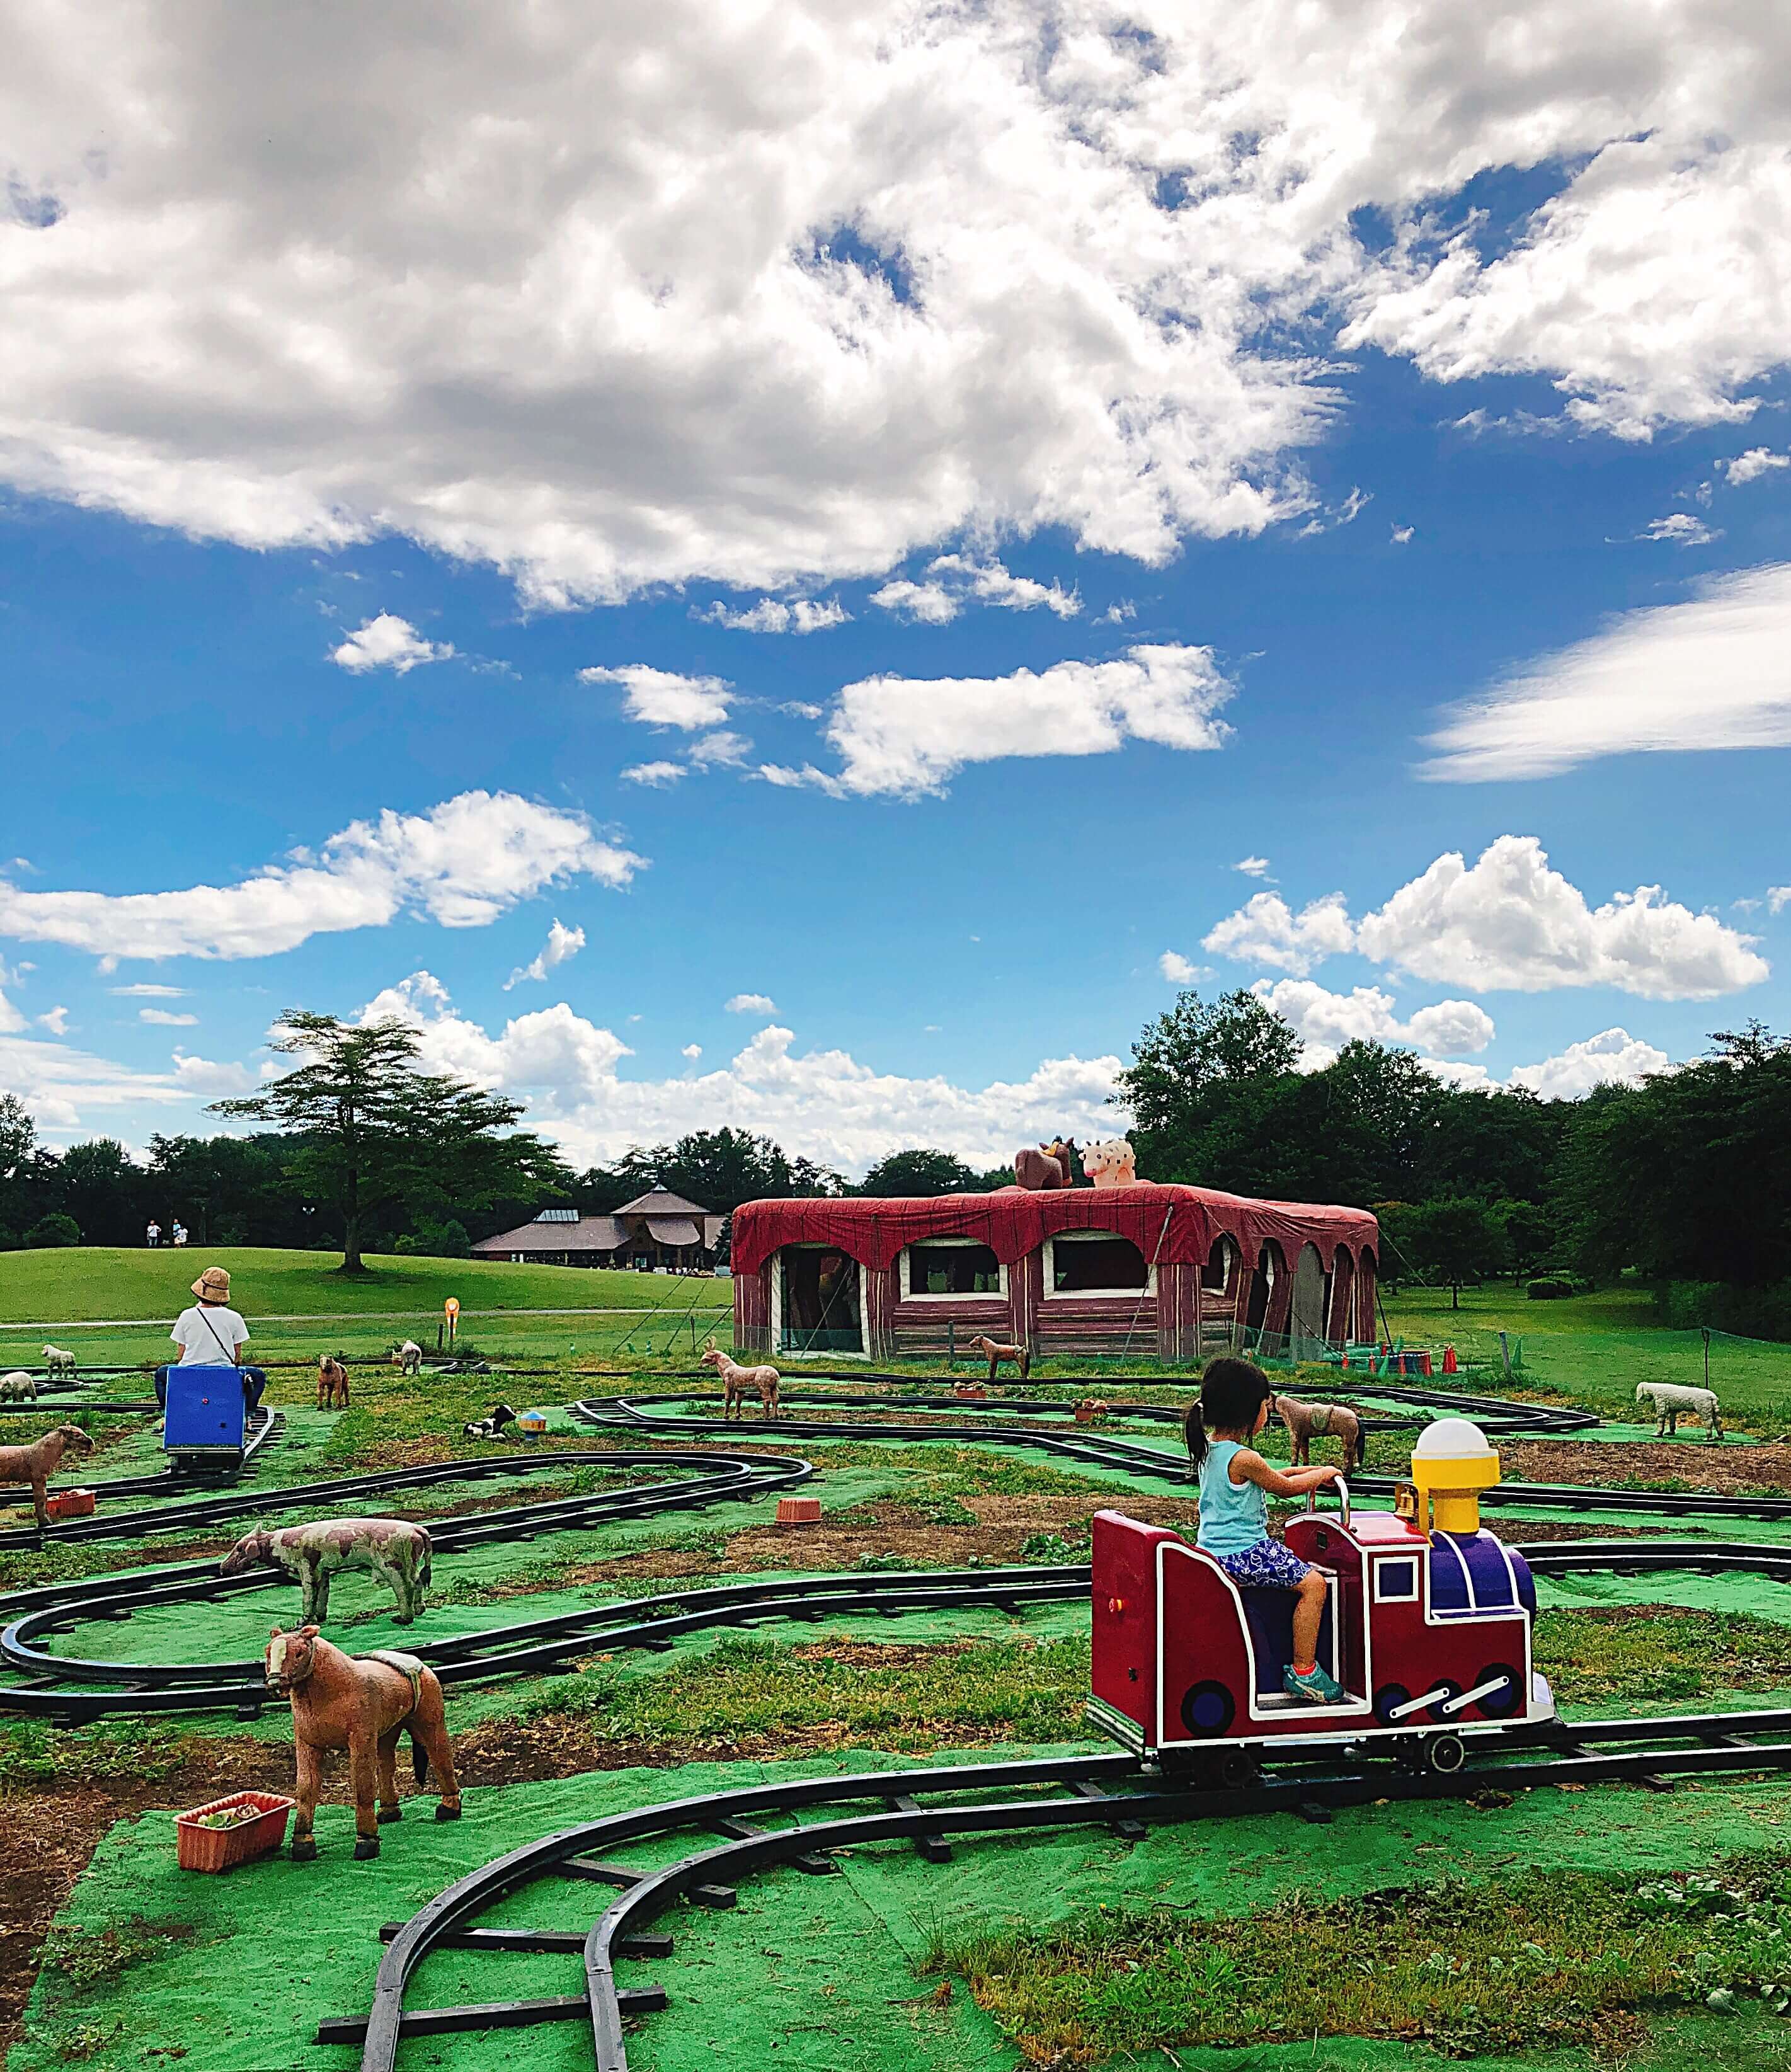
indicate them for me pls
(154, 1234)
(180, 1233)
(212, 1334)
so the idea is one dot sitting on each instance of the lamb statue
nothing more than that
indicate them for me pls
(1112, 1164)
(393, 1548)
(18, 1387)
(1671, 1402)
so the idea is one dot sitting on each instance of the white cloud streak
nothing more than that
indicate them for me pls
(750, 1003)
(1709, 673)
(661, 697)
(775, 614)
(461, 864)
(1751, 465)
(562, 944)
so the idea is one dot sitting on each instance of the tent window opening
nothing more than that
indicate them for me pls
(1096, 1265)
(1216, 1273)
(953, 1269)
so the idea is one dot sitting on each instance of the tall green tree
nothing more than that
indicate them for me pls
(1448, 1242)
(919, 1172)
(377, 1128)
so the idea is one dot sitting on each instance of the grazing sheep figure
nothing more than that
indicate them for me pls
(738, 1382)
(408, 1357)
(37, 1462)
(995, 1354)
(1112, 1164)
(1671, 1402)
(361, 1702)
(391, 1547)
(1306, 1421)
(59, 1360)
(18, 1387)
(332, 1383)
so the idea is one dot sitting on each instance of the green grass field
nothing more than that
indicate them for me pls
(358, 1314)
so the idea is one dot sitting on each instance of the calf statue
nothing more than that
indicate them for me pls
(391, 1547)
(1306, 1421)
(361, 1702)
(37, 1462)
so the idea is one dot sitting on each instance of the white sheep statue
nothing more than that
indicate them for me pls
(1671, 1402)
(18, 1387)
(58, 1360)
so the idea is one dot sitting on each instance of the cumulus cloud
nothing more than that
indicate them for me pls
(774, 614)
(990, 582)
(1778, 898)
(1402, 535)
(56, 1021)
(825, 1104)
(1327, 1020)
(645, 296)
(1253, 866)
(162, 1019)
(387, 643)
(463, 863)
(1177, 968)
(693, 1052)
(1266, 931)
(657, 774)
(750, 1003)
(562, 943)
(930, 603)
(1613, 1056)
(903, 737)
(1509, 922)
(722, 748)
(1707, 673)
(1756, 461)
(661, 697)
(204, 1079)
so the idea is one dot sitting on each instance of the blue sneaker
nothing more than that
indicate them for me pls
(1317, 1687)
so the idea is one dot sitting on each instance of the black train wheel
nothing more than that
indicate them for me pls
(1499, 1704)
(1208, 1710)
(1386, 1699)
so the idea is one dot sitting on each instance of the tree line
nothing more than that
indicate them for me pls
(1680, 1178)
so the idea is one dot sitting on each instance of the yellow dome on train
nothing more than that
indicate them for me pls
(1453, 1461)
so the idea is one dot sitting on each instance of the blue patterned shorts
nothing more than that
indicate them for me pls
(1265, 1566)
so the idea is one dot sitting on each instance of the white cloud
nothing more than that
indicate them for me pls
(722, 748)
(1252, 866)
(1680, 529)
(617, 297)
(1778, 898)
(800, 709)
(1177, 968)
(903, 737)
(56, 1021)
(931, 604)
(1613, 1056)
(64, 1087)
(992, 583)
(693, 1052)
(1326, 1021)
(1511, 922)
(1402, 534)
(750, 1003)
(463, 863)
(660, 697)
(1756, 461)
(162, 1019)
(1708, 673)
(203, 1079)
(1117, 614)
(1266, 931)
(144, 992)
(562, 943)
(774, 614)
(824, 1104)
(659, 774)
(387, 643)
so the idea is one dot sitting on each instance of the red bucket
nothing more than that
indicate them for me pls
(799, 1511)
(201, 1848)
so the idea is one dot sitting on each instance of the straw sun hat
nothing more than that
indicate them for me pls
(213, 1285)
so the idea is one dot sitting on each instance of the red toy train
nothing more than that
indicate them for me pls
(1428, 1626)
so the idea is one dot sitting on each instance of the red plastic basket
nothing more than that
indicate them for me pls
(222, 1849)
(799, 1511)
(70, 1503)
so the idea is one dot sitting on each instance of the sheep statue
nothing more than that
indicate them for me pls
(408, 1358)
(1670, 1402)
(59, 1361)
(18, 1387)
(1112, 1164)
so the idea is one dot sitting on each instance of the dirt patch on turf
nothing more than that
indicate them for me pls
(1689, 1464)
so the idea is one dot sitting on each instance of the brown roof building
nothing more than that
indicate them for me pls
(656, 1229)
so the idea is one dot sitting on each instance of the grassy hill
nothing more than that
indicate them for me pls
(396, 1298)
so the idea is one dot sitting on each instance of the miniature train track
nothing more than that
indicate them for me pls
(1114, 1791)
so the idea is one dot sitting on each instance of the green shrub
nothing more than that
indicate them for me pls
(48, 1232)
(1550, 1288)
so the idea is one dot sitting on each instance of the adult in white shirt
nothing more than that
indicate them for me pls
(153, 1233)
(212, 1335)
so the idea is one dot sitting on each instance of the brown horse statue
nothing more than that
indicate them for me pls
(1307, 1421)
(332, 1383)
(37, 1462)
(361, 1702)
(996, 1353)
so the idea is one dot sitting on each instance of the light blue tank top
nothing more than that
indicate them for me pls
(1233, 1515)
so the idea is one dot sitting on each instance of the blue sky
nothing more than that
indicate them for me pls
(313, 561)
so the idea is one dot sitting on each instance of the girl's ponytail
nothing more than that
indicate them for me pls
(1194, 1431)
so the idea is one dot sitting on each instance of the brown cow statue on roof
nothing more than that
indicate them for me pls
(1047, 1167)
